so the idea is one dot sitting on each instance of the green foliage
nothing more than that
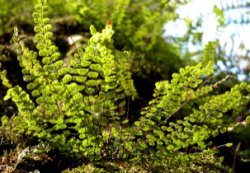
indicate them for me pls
(156, 128)
(85, 168)
(88, 93)
(106, 167)
(138, 26)
(220, 15)
(3, 14)
(79, 106)
(134, 21)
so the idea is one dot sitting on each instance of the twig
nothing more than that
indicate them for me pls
(235, 155)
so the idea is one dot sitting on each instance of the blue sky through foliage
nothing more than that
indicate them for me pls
(234, 36)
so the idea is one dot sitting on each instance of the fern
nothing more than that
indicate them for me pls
(88, 93)
(78, 106)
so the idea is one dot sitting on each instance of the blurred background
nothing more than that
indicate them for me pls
(223, 21)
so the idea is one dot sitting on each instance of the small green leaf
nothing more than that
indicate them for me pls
(92, 74)
(114, 132)
(125, 121)
(67, 78)
(92, 30)
(82, 71)
(248, 120)
(4, 120)
(230, 144)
